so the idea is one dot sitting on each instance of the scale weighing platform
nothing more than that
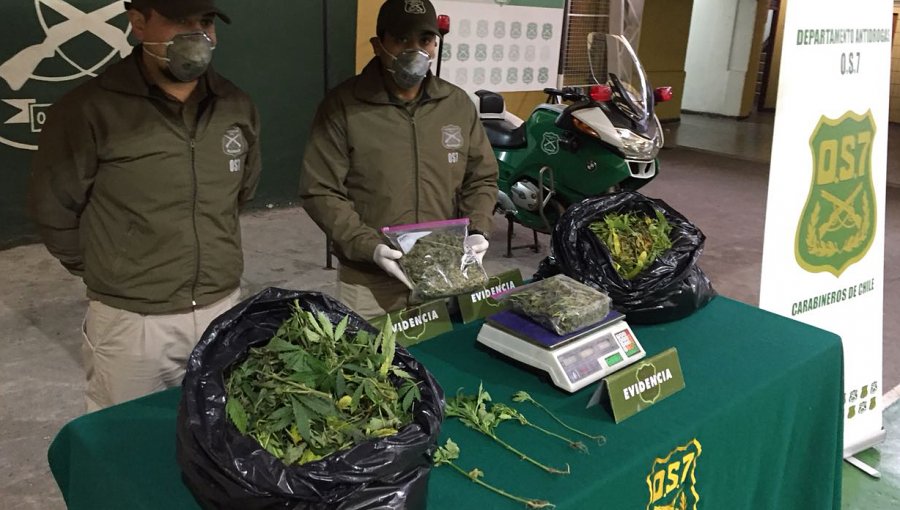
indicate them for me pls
(574, 360)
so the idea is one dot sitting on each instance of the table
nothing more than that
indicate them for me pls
(759, 423)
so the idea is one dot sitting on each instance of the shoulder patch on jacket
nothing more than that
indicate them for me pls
(451, 137)
(233, 142)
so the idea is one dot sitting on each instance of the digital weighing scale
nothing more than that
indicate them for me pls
(574, 360)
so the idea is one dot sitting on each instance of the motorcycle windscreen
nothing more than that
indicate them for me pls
(614, 63)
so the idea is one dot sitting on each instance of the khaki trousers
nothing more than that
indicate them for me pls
(371, 294)
(128, 355)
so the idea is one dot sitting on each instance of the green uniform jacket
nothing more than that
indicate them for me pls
(125, 196)
(371, 163)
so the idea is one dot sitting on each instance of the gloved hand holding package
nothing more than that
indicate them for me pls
(436, 258)
(479, 245)
(387, 259)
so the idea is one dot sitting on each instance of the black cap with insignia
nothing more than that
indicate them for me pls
(403, 18)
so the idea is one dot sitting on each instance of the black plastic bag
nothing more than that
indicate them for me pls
(672, 288)
(227, 470)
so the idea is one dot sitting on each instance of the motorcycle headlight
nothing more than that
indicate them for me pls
(636, 146)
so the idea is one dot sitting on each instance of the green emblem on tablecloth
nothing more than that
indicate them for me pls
(837, 226)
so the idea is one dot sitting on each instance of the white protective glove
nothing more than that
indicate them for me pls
(386, 258)
(478, 244)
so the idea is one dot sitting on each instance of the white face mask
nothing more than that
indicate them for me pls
(409, 68)
(187, 55)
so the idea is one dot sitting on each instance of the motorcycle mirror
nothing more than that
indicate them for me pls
(662, 94)
(601, 93)
(443, 24)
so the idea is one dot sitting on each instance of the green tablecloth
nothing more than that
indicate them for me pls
(761, 407)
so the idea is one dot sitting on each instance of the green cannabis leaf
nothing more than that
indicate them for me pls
(315, 389)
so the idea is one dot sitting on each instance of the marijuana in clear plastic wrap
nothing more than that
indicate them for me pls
(436, 259)
(559, 303)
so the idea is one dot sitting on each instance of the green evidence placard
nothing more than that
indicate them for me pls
(480, 304)
(639, 386)
(415, 325)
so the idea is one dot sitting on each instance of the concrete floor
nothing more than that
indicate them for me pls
(748, 139)
(41, 308)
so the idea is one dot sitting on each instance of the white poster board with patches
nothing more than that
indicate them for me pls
(501, 45)
(823, 254)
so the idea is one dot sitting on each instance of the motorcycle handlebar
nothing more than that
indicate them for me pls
(567, 93)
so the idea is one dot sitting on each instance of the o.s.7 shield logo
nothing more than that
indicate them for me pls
(673, 479)
(838, 222)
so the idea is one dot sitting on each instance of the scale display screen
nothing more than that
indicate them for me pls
(587, 359)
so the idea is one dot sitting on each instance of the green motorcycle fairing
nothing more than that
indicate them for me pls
(591, 170)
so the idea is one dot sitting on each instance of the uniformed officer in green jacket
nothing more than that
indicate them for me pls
(136, 188)
(395, 145)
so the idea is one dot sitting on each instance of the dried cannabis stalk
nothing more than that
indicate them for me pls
(522, 396)
(450, 452)
(505, 412)
(473, 412)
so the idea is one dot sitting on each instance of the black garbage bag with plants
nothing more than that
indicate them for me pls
(669, 288)
(225, 469)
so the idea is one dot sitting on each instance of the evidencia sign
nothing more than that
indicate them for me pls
(850, 63)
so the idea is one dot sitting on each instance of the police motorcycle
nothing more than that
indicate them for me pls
(582, 142)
